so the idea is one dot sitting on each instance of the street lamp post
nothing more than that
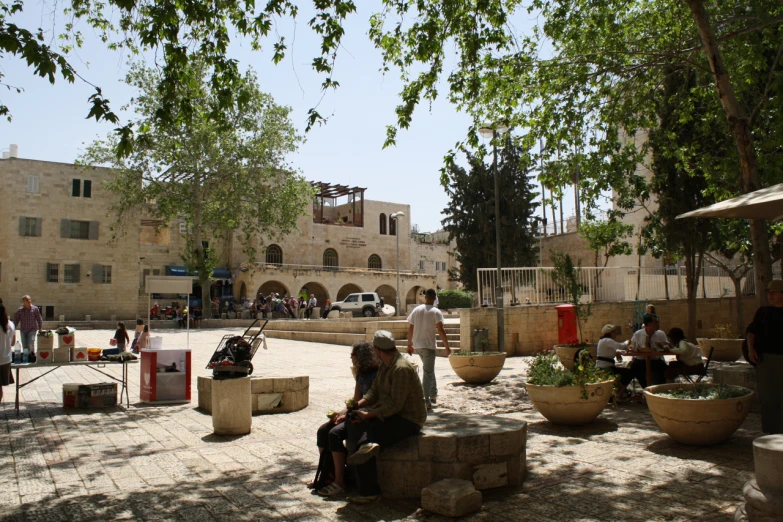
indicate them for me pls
(396, 217)
(492, 133)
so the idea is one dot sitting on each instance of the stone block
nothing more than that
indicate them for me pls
(204, 384)
(490, 475)
(205, 401)
(259, 385)
(451, 497)
(768, 459)
(267, 403)
(403, 479)
(438, 449)
(232, 413)
(473, 449)
(517, 469)
(407, 449)
(765, 501)
(507, 443)
(456, 470)
(289, 384)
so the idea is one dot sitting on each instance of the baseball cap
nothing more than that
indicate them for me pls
(607, 329)
(383, 340)
(776, 285)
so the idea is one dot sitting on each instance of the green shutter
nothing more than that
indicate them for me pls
(93, 232)
(22, 225)
(87, 193)
(97, 273)
(65, 228)
(38, 227)
(75, 188)
(76, 274)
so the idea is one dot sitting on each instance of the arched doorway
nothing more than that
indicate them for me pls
(242, 292)
(350, 288)
(388, 294)
(272, 287)
(316, 289)
(414, 296)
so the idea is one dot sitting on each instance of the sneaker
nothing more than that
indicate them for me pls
(362, 499)
(332, 490)
(434, 400)
(364, 453)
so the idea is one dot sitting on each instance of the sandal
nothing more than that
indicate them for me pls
(332, 490)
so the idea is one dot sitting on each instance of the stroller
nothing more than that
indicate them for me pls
(232, 357)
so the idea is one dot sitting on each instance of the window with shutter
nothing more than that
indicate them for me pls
(52, 273)
(80, 230)
(92, 232)
(87, 192)
(65, 228)
(421, 265)
(97, 273)
(32, 184)
(38, 227)
(76, 188)
(71, 274)
(106, 275)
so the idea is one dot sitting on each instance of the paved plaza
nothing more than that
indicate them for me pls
(163, 463)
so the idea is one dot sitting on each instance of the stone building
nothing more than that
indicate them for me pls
(55, 245)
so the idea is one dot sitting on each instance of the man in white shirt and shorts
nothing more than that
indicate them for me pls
(423, 321)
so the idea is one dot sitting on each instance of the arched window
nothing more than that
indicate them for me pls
(392, 227)
(330, 258)
(274, 255)
(374, 263)
(383, 224)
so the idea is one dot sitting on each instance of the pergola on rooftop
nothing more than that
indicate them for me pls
(336, 204)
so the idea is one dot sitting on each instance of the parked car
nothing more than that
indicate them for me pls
(366, 304)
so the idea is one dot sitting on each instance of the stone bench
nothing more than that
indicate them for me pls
(485, 450)
(267, 394)
(738, 374)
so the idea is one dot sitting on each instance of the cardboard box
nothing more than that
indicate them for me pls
(66, 340)
(62, 355)
(44, 342)
(70, 394)
(78, 354)
(45, 355)
(101, 395)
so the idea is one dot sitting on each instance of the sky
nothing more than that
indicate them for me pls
(49, 120)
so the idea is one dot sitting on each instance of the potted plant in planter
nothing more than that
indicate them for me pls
(477, 367)
(566, 275)
(568, 397)
(727, 343)
(699, 414)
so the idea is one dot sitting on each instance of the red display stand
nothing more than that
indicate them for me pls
(160, 386)
(566, 325)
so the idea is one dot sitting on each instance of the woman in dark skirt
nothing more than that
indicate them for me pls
(765, 349)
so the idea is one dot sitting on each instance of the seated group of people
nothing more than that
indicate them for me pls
(388, 407)
(649, 338)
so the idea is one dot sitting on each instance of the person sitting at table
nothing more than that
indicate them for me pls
(689, 357)
(649, 338)
(607, 351)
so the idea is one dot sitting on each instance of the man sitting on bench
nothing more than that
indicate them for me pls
(394, 409)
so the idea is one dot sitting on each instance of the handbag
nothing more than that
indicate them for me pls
(113, 342)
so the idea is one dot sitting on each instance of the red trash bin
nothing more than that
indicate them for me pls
(566, 325)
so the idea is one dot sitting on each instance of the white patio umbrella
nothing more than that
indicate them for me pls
(766, 203)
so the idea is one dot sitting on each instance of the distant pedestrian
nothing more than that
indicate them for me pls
(424, 321)
(326, 310)
(7, 341)
(137, 334)
(144, 339)
(312, 303)
(28, 321)
(121, 336)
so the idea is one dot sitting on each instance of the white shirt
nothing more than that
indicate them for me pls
(424, 318)
(6, 347)
(688, 353)
(639, 339)
(608, 347)
(313, 302)
(435, 304)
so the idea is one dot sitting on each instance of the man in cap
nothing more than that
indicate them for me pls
(395, 410)
(423, 322)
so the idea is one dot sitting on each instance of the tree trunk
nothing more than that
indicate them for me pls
(198, 249)
(739, 126)
(738, 293)
(692, 269)
(665, 279)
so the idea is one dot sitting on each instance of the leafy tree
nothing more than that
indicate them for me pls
(566, 275)
(220, 179)
(607, 238)
(470, 214)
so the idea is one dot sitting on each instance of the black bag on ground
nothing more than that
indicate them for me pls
(324, 475)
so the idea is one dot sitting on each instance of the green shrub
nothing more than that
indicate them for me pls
(454, 299)
(546, 370)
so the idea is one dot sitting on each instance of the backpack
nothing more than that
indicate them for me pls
(324, 475)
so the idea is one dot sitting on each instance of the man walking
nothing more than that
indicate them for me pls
(28, 321)
(423, 322)
(396, 411)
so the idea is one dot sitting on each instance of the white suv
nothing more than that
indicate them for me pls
(366, 304)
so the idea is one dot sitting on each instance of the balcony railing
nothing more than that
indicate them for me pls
(334, 268)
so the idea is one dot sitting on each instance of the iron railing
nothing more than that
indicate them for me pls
(262, 264)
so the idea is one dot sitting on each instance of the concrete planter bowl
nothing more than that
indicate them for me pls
(566, 404)
(697, 422)
(566, 353)
(726, 350)
(477, 368)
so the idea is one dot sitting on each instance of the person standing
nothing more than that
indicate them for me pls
(144, 339)
(7, 341)
(312, 303)
(121, 336)
(423, 322)
(28, 321)
(765, 349)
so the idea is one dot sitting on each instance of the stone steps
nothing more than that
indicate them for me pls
(340, 338)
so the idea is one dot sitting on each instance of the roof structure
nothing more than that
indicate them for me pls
(327, 190)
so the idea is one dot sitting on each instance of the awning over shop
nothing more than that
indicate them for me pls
(176, 270)
(221, 273)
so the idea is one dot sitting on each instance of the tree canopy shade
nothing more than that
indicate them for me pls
(470, 215)
(222, 180)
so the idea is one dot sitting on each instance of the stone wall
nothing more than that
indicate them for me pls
(532, 329)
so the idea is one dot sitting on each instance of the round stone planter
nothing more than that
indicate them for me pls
(693, 421)
(477, 369)
(567, 405)
(566, 353)
(726, 350)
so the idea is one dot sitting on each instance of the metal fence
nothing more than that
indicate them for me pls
(535, 285)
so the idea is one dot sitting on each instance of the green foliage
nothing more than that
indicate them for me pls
(546, 370)
(222, 180)
(484, 344)
(724, 331)
(566, 275)
(472, 354)
(702, 393)
(448, 299)
(607, 237)
(470, 214)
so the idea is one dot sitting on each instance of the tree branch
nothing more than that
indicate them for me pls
(765, 96)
